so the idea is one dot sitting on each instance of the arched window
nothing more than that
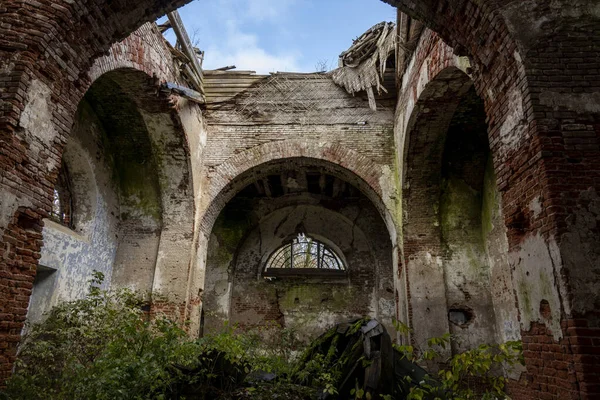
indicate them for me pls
(62, 202)
(304, 253)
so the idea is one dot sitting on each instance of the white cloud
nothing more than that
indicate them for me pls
(255, 59)
(268, 10)
(229, 32)
(235, 47)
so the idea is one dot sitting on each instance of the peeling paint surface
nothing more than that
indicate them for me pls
(537, 278)
(513, 128)
(578, 102)
(37, 120)
(93, 241)
(580, 249)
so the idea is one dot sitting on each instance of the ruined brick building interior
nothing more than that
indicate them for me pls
(448, 178)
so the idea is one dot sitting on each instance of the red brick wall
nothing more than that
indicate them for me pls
(557, 154)
(54, 42)
(551, 152)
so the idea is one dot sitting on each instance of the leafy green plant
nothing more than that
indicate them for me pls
(99, 347)
(473, 374)
(105, 347)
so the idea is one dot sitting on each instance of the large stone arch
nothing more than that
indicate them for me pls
(169, 150)
(256, 222)
(375, 180)
(143, 50)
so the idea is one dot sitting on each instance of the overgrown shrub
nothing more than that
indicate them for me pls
(100, 347)
(473, 374)
(105, 347)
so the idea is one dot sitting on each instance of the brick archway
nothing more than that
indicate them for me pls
(144, 50)
(240, 170)
(367, 175)
(453, 213)
(530, 153)
(28, 198)
(521, 55)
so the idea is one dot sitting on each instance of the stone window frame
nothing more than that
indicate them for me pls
(62, 201)
(337, 269)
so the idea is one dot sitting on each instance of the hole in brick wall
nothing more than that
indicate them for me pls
(461, 316)
(28, 222)
(545, 310)
(41, 296)
(518, 223)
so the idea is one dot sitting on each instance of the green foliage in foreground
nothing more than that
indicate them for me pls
(473, 374)
(100, 347)
(105, 347)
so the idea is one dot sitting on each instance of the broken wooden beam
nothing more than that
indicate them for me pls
(182, 91)
(187, 48)
(227, 68)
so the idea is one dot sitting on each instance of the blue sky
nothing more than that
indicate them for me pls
(279, 35)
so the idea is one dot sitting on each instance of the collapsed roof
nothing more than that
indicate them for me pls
(363, 65)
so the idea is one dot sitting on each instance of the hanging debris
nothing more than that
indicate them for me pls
(363, 65)
(188, 60)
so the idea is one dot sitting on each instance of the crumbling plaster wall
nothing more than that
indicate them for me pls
(176, 136)
(92, 243)
(533, 70)
(43, 69)
(149, 250)
(248, 232)
(491, 283)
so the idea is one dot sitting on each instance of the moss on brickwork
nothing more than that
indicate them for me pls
(397, 175)
(229, 229)
(133, 172)
(460, 209)
(525, 299)
(313, 296)
(490, 200)
(138, 188)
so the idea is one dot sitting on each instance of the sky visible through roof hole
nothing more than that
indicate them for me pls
(278, 35)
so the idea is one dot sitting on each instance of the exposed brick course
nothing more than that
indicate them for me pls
(29, 166)
(535, 66)
(542, 148)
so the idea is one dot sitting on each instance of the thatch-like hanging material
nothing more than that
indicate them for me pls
(363, 64)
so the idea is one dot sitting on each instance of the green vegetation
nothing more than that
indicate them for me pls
(106, 347)
(473, 374)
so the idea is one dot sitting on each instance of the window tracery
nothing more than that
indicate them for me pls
(305, 253)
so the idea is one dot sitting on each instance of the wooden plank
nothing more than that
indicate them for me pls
(236, 72)
(186, 45)
(227, 68)
(228, 80)
(218, 99)
(224, 90)
(211, 88)
(185, 92)
(233, 84)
